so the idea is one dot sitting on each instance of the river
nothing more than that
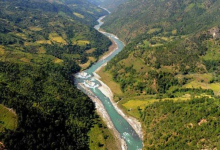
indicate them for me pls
(89, 82)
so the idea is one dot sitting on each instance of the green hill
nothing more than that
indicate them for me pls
(41, 45)
(172, 53)
(111, 5)
(83, 10)
(141, 16)
(165, 55)
(192, 124)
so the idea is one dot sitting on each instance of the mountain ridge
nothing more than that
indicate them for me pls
(138, 17)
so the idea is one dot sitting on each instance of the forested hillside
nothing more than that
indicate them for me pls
(172, 53)
(41, 45)
(111, 5)
(192, 124)
(182, 17)
(168, 64)
(162, 58)
(83, 10)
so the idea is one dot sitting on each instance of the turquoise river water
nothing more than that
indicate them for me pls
(122, 126)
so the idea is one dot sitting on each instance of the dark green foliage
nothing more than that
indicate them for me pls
(179, 56)
(90, 11)
(192, 124)
(192, 91)
(52, 112)
(212, 65)
(111, 5)
(42, 14)
(137, 17)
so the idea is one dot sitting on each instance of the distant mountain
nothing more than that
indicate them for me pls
(111, 5)
(141, 16)
(84, 10)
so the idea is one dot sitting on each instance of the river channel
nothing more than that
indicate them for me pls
(86, 78)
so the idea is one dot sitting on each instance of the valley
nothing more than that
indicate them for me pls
(148, 78)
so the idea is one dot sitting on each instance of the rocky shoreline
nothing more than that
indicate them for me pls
(103, 113)
(136, 125)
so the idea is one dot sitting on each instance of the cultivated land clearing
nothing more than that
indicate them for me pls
(213, 86)
(78, 15)
(132, 106)
(81, 42)
(90, 50)
(2, 50)
(56, 38)
(35, 28)
(43, 42)
(57, 60)
(153, 30)
(8, 119)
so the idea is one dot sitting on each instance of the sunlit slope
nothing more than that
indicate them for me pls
(138, 17)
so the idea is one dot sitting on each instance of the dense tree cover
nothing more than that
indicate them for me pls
(154, 69)
(85, 8)
(137, 17)
(111, 5)
(173, 46)
(41, 45)
(52, 113)
(47, 24)
(192, 124)
(163, 48)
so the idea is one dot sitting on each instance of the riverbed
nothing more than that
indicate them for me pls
(126, 128)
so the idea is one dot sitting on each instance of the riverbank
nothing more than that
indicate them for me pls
(126, 129)
(136, 125)
(111, 49)
(103, 113)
